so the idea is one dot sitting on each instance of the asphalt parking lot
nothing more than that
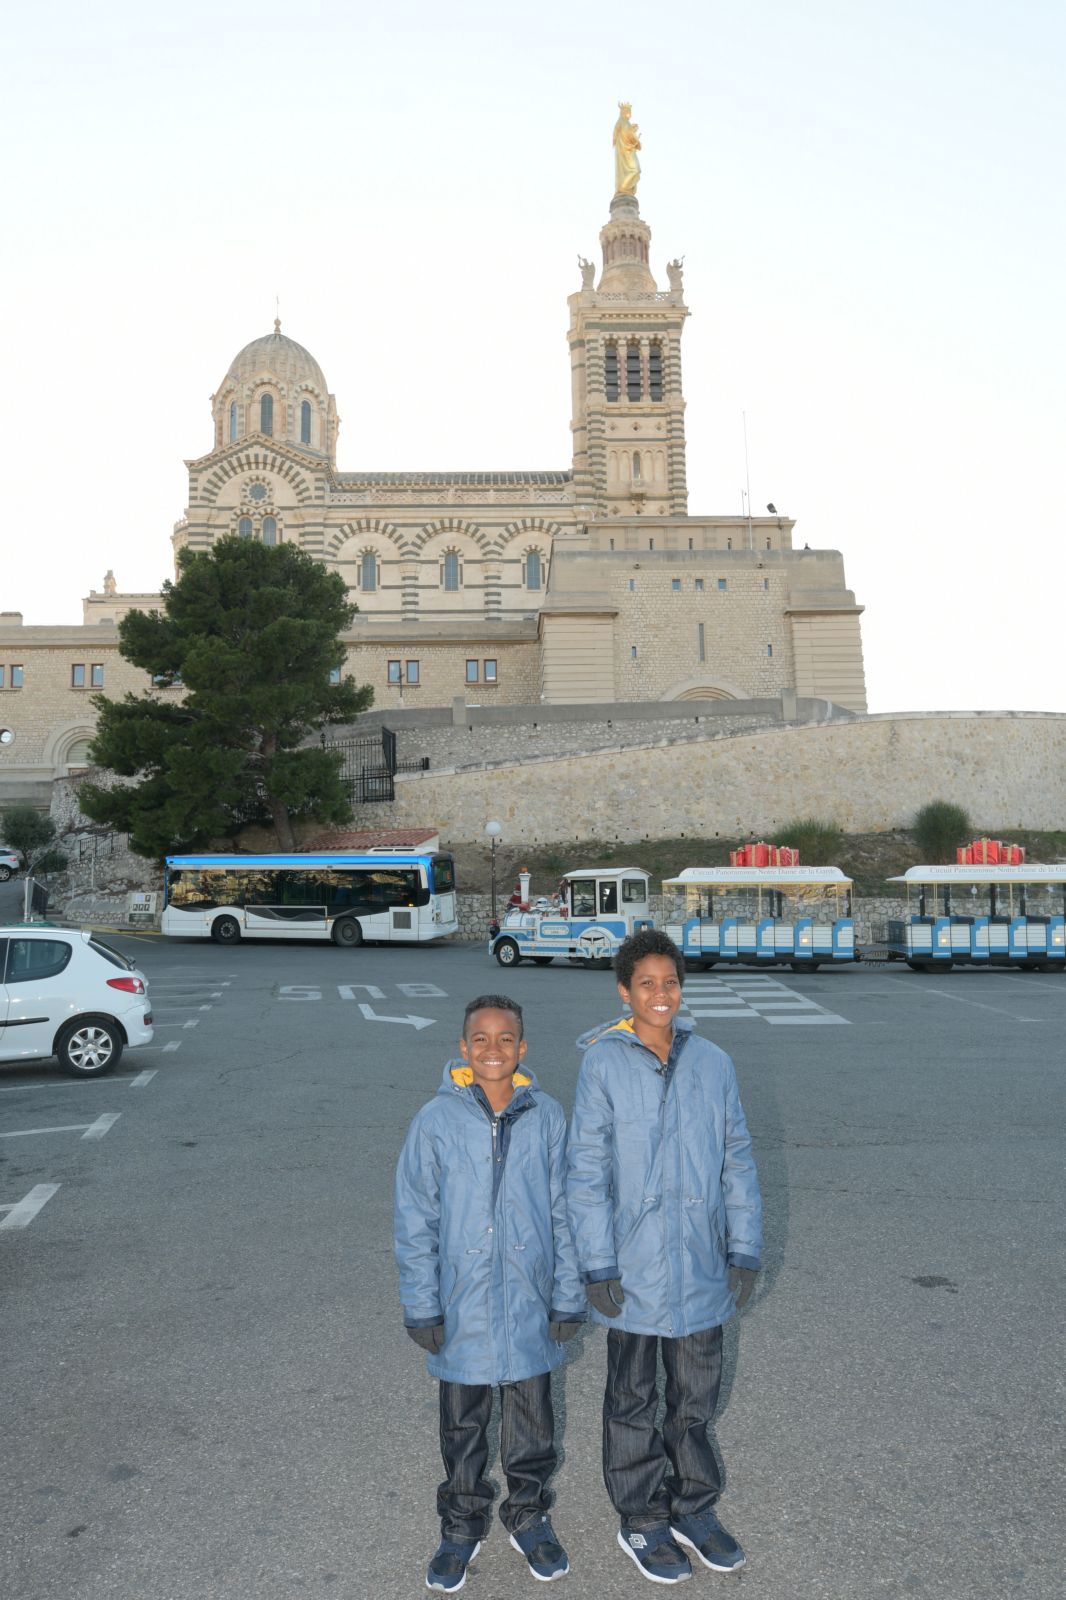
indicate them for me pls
(208, 1392)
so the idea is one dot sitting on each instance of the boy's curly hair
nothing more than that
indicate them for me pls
(494, 1002)
(646, 942)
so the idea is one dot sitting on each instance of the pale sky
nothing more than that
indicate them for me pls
(868, 197)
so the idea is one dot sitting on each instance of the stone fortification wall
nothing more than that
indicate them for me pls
(1008, 768)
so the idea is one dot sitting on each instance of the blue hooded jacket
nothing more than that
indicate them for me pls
(482, 1237)
(661, 1187)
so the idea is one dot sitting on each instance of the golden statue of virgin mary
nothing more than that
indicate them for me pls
(626, 144)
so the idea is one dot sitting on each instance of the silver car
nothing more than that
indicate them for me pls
(67, 994)
(10, 862)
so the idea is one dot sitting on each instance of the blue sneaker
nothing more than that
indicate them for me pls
(447, 1570)
(704, 1533)
(546, 1556)
(655, 1553)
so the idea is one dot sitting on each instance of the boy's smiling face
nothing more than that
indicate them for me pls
(653, 996)
(492, 1047)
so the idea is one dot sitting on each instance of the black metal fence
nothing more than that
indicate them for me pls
(369, 765)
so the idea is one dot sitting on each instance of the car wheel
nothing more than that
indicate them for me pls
(347, 932)
(5, 873)
(507, 953)
(89, 1047)
(543, 961)
(225, 930)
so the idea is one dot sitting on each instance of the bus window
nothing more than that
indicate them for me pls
(443, 874)
(634, 891)
(583, 897)
(608, 899)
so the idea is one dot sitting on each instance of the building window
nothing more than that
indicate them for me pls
(77, 675)
(723, 583)
(305, 422)
(766, 583)
(270, 530)
(632, 584)
(232, 420)
(368, 572)
(690, 544)
(334, 674)
(729, 544)
(266, 413)
(412, 672)
(633, 383)
(636, 466)
(3, 677)
(16, 676)
(96, 675)
(701, 642)
(610, 371)
(257, 491)
(533, 569)
(244, 528)
(769, 544)
(395, 671)
(490, 671)
(769, 649)
(632, 652)
(675, 584)
(471, 672)
(699, 585)
(655, 372)
(450, 571)
(651, 544)
(611, 543)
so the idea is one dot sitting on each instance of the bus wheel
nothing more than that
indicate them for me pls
(506, 953)
(347, 932)
(225, 930)
(543, 961)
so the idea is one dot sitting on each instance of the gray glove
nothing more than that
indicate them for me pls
(606, 1297)
(741, 1284)
(429, 1339)
(562, 1331)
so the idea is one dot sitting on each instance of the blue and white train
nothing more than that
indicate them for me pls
(984, 916)
(761, 916)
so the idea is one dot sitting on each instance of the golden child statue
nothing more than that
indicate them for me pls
(626, 144)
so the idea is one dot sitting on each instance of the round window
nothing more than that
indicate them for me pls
(257, 492)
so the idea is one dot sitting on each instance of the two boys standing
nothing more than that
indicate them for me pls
(507, 1232)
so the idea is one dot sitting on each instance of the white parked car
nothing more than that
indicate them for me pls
(10, 862)
(67, 994)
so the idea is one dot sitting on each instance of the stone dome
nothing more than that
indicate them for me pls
(275, 353)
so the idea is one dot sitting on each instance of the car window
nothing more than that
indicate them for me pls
(31, 959)
(108, 954)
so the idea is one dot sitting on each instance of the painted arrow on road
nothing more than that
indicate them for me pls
(415, 1022)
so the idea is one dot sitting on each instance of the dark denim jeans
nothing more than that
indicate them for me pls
(652, 1476)
(527, 1455)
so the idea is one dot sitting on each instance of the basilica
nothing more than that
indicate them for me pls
(589, 583)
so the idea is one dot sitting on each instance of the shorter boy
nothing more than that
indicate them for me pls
(665, 1208)
(489, 1284)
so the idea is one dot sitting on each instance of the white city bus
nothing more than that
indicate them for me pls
(380, 894)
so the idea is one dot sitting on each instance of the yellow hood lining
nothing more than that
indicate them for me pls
(464, 1077)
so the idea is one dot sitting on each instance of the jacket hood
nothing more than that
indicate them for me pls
(622, 1031)
(457, 1075)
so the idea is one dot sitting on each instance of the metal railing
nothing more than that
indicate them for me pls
(369, 765)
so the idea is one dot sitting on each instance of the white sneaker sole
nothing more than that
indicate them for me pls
(442, 1588)
(680, 1537)
(652, 1577)
(541, 1577)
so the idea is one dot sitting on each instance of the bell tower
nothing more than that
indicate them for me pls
(625, 356)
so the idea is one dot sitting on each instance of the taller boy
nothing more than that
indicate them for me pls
(665, 1208)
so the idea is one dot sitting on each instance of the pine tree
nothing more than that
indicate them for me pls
(251, 633)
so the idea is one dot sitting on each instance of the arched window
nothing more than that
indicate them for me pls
(655, 372)
(266, 414)
(533, 569)
(633, 382)
(244, 527)
(610, 371)
(232, 420)
(450, 574)
(305, 422)
(368, 572)
(270, 530)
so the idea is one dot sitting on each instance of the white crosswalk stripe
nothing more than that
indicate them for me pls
(748, 996)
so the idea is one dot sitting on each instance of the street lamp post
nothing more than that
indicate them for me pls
(493, 831)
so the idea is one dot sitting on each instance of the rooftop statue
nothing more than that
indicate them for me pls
(626, 144)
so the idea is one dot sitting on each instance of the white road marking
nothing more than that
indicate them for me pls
(823, 1019)
(980, 1004)
(422, 991)
(175, 1044)
(193, 1022)
(415, 1022)
(142, 1078)
(756, 995)
(102, 1125)
(22, 1214)
(68, 1127)
(371, 990)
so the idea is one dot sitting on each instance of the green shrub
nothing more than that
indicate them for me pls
(938, 828)
(819, 842)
